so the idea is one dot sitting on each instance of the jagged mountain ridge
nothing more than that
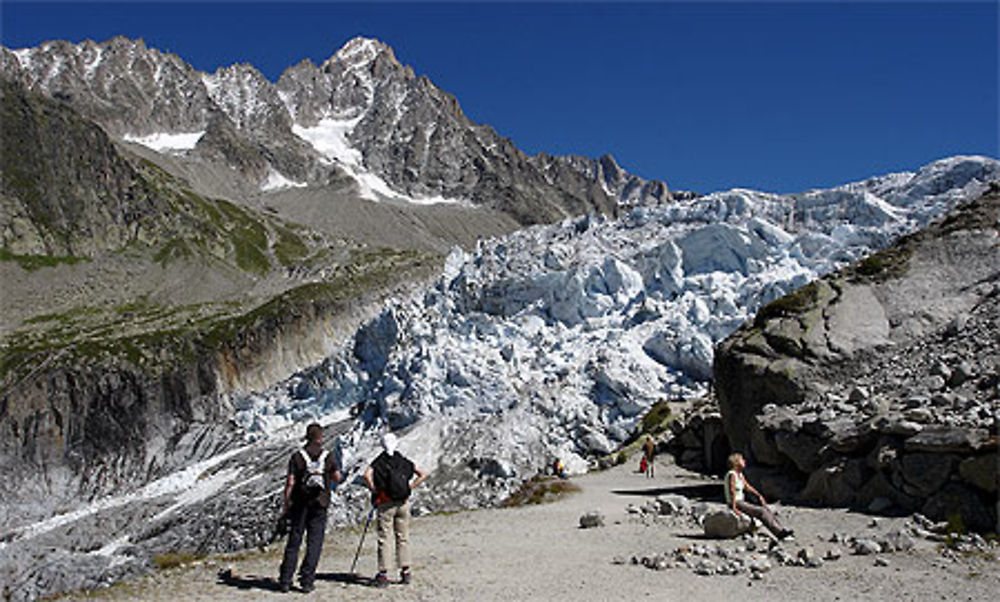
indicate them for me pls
(371, 116)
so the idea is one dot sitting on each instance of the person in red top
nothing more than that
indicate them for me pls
(390, 478)
(311, 473)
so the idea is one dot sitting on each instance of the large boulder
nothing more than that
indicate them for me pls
(876, 382)
(724, 524)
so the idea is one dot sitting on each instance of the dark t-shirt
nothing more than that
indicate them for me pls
(297, 467)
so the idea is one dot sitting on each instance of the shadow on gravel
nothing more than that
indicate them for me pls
(352, 578)
(248, 581)
(708, 493)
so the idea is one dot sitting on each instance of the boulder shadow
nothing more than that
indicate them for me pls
(709, 492)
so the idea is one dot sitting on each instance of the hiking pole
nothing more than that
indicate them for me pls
(363, 533)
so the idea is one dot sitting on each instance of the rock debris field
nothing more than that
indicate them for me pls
(646, 543)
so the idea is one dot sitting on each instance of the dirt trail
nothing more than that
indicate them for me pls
(540, 553)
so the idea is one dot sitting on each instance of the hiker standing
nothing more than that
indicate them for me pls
(311, 472)
(735, 484)
(389, 477)
(649, 453)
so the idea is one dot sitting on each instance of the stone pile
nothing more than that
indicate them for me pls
(754, 555)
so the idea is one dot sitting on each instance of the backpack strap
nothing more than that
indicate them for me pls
(321, 459)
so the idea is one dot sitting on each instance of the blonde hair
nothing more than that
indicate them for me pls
(734, 459)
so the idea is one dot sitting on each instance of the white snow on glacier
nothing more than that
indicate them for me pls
(552, 341)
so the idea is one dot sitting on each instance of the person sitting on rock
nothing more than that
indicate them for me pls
(735, 484)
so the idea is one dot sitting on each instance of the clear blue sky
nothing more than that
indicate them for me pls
(770, 96)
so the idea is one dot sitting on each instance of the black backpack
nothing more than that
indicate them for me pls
(392, 476)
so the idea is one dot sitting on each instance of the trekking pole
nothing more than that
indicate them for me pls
(363, 533)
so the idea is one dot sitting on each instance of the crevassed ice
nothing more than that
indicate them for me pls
(167, 142)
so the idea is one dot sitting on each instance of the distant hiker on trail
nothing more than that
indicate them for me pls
(559, 469)
(735, 484)
(649, 453)
(311, 472)
(389, 477)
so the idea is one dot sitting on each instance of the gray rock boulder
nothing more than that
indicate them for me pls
(724, 524)
(592, 519)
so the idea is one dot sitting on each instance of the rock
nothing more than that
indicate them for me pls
(699, 510)
(881, 561)
(592, 519)
(809, 557)
(706, 568)
(980, 471)
(672, 503)
(858, 395)
(832, 554)
(836, 484)
(962, 373)
(619, 560)
(947, 439)
(724, 524)
(925, 473)
(899, 541)
(919, 415)
(759, 565)
(866, 547)
(879, 505)
(933, 383)
(941, 369)
(896, 424)
(957, 499)
(633, 509)
(956, 325)
(804, 450)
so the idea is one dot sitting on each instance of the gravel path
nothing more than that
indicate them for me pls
(540, 553)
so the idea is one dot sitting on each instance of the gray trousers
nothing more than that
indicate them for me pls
(308, 520)
(394, 516)
(761, 513)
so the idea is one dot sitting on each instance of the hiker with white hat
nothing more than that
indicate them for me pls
(391, 479)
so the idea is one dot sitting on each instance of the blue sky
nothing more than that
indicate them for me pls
(772, 96)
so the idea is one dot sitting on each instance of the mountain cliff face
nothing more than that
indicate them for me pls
(875, 386)
(361, 114)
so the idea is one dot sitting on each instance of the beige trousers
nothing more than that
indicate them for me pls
(395, 516)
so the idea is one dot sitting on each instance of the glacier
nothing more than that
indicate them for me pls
(552, 341)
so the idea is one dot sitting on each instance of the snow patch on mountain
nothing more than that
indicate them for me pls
(166, 142)
(329, 138)
(275, 180)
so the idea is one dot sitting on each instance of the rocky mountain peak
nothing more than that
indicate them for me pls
(360, 54)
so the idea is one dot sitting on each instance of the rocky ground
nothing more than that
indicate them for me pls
(542, 553)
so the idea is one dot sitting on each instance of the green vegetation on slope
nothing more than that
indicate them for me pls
(156, 337)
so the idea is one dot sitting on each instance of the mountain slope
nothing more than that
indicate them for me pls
(360, 113)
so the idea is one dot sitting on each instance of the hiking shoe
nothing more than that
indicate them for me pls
(284, 587)
(404, 576)
(306, 587)
(381, 580)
